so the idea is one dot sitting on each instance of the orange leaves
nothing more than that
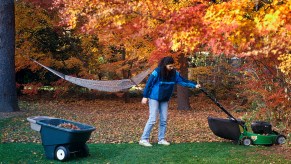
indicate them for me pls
(184, 31)
(228, 27)
(28, 20)
(73, 62)
(122, 22)
(246, 30)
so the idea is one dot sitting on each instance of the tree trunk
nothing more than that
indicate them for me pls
(183, 92)
(126, 74)
(8, 97)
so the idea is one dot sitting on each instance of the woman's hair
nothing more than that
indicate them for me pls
(166, 75)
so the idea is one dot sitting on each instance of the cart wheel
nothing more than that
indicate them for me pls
(62, 153)
(84, 151)
(246, 141)
(280, 139)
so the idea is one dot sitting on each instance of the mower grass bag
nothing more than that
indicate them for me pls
(224, 128)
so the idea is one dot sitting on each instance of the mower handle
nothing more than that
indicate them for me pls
(218, 104)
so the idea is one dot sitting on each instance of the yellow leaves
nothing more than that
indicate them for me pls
(175, 6)
(176, 45)
(185, 40)
(177, 40)
(285, 65)
(94, 49)
(72, 23)
(249, 30)
(119, 20)
(271, 21)
(273, 18)
(152, 23)
(226, 13)
(240, 18)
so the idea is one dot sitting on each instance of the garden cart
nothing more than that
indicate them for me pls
(62, 138)
(236, 130)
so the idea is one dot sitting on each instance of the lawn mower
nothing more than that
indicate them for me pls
(236, 129)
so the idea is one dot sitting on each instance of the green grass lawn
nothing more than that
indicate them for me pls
(213, 152)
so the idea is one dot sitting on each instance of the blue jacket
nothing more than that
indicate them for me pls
(162, 90)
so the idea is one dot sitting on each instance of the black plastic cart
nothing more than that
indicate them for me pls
(60, 143)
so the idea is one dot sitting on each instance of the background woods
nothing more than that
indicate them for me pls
(239, 50)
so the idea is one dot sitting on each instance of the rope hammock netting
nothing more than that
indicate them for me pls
(101, 85)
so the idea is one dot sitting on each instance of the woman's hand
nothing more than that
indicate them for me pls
(144, 100)
(198, 86)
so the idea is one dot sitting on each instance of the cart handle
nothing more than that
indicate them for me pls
(33, 119)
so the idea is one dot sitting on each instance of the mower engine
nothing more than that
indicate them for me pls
(261, 127)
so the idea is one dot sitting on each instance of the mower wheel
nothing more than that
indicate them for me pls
(62, 153)
(280, 139)
(246, 141)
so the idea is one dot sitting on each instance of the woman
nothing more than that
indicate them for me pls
(157, 92)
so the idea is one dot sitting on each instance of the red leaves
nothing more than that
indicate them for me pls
(30, 88)
(268, 98)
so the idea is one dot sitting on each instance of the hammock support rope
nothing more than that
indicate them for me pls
(101, 85)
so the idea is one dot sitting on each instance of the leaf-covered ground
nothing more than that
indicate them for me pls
(119, 122)
(116, 121)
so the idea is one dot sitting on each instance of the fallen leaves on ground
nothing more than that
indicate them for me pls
(118, 122)
(115, 121)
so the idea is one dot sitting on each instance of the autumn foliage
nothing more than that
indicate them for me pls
(103, 39)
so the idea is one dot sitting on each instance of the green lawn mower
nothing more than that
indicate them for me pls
(236, 130)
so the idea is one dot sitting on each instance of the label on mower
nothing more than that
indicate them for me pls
(254, 138)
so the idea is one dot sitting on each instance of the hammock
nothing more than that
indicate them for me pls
(101, 85)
